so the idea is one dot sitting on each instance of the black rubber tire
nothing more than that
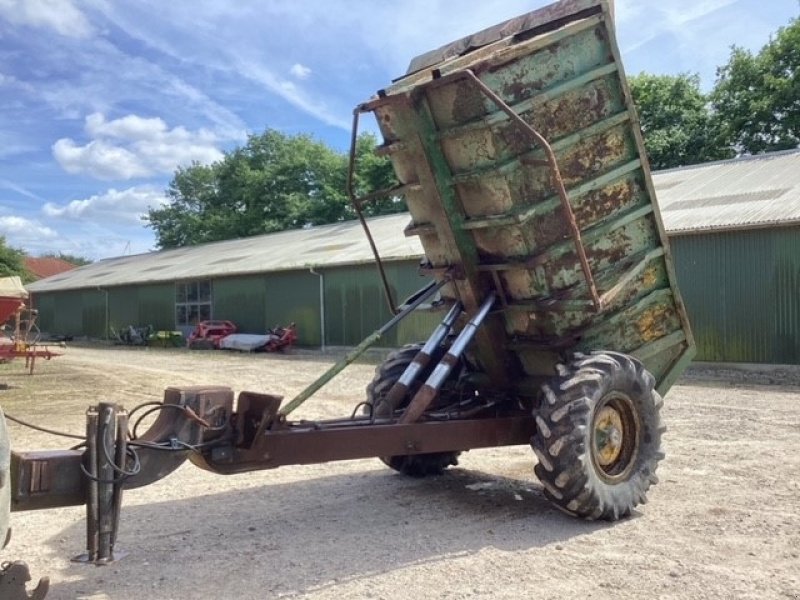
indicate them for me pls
(386, 374)
(569, 464)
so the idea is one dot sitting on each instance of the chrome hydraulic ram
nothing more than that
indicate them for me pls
(423, 398)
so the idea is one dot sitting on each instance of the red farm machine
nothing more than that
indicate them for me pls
(520, 158)
(19, 336)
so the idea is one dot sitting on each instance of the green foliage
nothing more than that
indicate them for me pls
(375, 173)
(12, 262)
(757, 96)
(78, 261)
(274, 182)
(677, 123)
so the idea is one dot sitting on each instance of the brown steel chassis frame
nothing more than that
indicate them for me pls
(205, 429)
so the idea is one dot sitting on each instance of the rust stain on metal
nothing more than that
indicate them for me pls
(652, 323)
(594, 155)
(650, 276)
(468, 104)
(599, 204)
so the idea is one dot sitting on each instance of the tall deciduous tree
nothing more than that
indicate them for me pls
(757, 96)
(273, 182)
(12, 262)
(677, 124)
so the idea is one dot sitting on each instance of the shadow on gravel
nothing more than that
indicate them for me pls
(288, 539)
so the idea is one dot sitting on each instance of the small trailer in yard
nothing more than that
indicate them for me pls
(521, 160)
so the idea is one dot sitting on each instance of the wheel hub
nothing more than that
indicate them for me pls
(615, 438)
(608, 435)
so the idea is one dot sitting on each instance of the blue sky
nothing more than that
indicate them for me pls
(100, 100)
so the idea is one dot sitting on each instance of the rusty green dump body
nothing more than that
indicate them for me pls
(490, 209)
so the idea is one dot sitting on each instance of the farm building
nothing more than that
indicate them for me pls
(321, 278)
(734, 227)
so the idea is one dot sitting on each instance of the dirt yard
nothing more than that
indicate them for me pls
(724, 522)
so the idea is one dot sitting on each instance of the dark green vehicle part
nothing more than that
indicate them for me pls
(521, 161)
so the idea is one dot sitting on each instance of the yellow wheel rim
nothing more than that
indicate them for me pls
(615, 437)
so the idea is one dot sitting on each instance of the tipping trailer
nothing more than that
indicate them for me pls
(521, 160)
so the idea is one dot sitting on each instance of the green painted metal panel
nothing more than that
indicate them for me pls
(355, 304)
(293, 297)
(123, 307)
(46, 305)
(157, 305)
(93, 303)
(742, 292)
(466, 140)
(68, 313)
(241, 300)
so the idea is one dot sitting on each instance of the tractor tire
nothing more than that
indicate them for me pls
(386, 374)
(598, 437)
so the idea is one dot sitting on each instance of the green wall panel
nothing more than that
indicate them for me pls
(742, 292)
(68, 318)
(355, 305)
(157, 305)
(46, 305)
(293, 297)
(93, 303)
(123, 307)
(241, 300)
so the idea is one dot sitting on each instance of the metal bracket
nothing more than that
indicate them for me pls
(14, 576)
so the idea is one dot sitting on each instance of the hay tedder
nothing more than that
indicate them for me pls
(521, 161)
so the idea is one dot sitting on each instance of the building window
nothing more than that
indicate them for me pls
(192, 302)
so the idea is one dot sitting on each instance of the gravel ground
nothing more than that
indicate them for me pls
(724, 522)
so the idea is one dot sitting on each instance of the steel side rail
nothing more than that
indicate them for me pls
(314, 443)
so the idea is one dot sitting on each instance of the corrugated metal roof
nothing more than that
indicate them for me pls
(747, 192)
(325, 246)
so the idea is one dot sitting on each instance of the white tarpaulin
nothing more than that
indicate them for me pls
(11, 287)
(246, 342)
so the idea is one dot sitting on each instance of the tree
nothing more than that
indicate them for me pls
(272, 183)
(677, 124)
(757, 96)
(12, 262)
(373, 173)
(78, 261)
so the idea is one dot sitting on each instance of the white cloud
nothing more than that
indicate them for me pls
(300, 71)
(115, 206)
(18, 230)
(62, 16)
(134, 146)
(99, 159)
